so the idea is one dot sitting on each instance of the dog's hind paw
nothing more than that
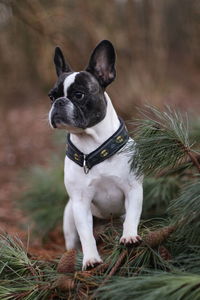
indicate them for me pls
(134, 240)
(91, 263)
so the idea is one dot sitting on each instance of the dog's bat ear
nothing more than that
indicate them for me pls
(102, 63)
(60, 63)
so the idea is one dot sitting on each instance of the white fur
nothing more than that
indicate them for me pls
(50, 112)
(70, 107)
(108, 189)
(68, 81)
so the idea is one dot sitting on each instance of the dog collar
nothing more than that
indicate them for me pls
(106, 150)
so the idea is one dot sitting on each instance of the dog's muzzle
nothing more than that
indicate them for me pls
(57, 111)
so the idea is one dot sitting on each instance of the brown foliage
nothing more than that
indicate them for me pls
(156, 41)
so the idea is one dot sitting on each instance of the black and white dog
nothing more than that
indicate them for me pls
(97, 175)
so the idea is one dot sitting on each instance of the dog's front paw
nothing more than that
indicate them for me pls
(91, 263)
(131, 240)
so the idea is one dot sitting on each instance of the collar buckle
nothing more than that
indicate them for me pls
(85, 167)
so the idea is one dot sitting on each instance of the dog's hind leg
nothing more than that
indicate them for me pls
(70, 232)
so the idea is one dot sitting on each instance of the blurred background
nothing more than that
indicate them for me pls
(158, 62)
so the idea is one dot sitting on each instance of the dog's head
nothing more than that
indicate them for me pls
(78, 100)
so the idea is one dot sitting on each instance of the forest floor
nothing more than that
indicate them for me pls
(25, 140)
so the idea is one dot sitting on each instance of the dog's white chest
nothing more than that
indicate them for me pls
(108, 198)
(107, 184)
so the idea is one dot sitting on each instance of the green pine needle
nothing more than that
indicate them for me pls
(139, 258)
(13, 256)
(160, 286)
(188, 260)
(185, 212)
(158, 192)
(195, 130)
(20, 276)
(161, 139)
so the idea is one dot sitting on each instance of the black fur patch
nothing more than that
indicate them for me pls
(58, 90)
(88, 111)
(92, 108)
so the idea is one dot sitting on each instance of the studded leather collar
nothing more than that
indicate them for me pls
(106, 150)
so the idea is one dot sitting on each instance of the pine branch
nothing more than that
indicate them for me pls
(154, 287)
(161, 142)
(158, 192)
(185, 211)
(152, 239)
(27, 279)
(21, 277)
(188, 260)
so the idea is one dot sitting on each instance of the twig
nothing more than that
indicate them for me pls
(117, 264)
(113, 270)
(193, 158)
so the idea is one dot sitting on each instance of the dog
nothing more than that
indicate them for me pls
(96, 172)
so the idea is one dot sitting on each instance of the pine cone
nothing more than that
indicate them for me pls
(164, 253)
(64, 283)
(67, 262)
(95, 271)
(156, 238)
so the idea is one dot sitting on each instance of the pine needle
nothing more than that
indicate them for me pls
(158, 192)
(161, 140)
(155, 287)
(185, 211)
(21, 277)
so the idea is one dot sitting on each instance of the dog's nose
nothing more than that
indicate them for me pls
(60, 102)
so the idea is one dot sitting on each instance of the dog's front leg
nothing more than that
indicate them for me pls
(133, 206)
(84, 225)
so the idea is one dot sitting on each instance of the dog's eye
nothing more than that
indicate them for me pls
(51, 97)
(79, 95)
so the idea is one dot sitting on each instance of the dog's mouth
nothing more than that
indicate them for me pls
(58, 122)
